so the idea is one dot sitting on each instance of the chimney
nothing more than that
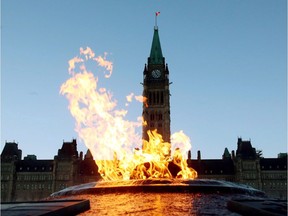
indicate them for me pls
(233, 154)
(198, 155)
(189, 155)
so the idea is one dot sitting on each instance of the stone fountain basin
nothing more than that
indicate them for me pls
(160, 197)
(160, 186)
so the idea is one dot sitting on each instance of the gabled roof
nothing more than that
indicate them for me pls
(245, 150)
(68, 150)
(156, 56)
(11, 152)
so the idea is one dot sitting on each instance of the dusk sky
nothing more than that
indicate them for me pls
(227, 61)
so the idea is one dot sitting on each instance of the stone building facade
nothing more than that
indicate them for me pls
(33, 179)
(246, 167)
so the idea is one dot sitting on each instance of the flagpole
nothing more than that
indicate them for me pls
(156, 14)
(156, 21)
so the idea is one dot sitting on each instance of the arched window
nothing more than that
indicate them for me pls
(157, 93)
(162, 98)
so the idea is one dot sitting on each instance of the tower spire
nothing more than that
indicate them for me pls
(156, 56)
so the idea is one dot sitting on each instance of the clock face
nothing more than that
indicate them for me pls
(156, 73)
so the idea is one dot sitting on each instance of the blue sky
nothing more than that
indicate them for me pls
(227, 61)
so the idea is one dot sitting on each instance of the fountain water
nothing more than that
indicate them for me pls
(160, 196)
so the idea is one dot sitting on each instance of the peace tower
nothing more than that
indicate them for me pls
(156, 110)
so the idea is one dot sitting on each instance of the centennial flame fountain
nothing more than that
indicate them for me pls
(148, 180)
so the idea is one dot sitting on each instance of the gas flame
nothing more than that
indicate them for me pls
(113, 140)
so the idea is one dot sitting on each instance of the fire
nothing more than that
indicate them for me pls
(113, 140)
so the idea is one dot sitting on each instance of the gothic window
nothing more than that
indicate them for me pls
(160, 117)
(154, 98)
(162, 98)
(152, 117)
(150, 98)
(157, 93)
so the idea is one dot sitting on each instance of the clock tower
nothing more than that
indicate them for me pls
(156, 109)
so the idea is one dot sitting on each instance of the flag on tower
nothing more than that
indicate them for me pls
(157, 13)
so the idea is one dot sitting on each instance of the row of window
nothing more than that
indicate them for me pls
(284, 184)
(63, 177)
(213, 171)
(156, 116)
(270, 167)
(34, 177)
(249, 166)
(249, 176)
(156, 97)
(33, 186)
(43, 168)
(274, 175)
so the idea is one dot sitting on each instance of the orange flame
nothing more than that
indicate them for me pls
(112, 140)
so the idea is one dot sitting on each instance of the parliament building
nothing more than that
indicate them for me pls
(32, 179)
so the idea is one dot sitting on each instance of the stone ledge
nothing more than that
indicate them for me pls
(47, 208)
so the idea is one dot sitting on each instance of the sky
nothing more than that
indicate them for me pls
(227, 61)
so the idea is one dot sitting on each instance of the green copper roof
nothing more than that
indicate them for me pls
(156, 56)
(226, 153)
